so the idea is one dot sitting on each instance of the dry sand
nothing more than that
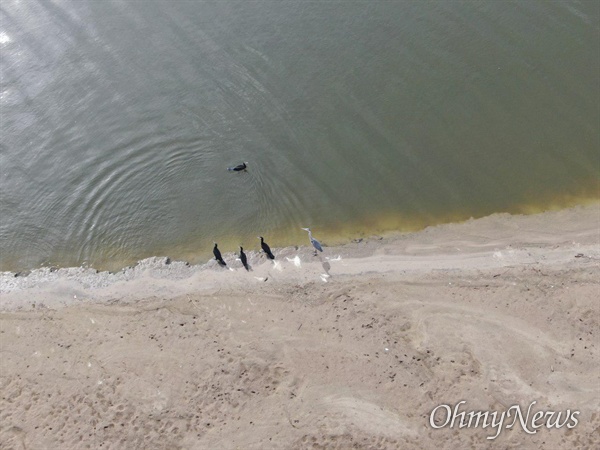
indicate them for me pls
(496, 311)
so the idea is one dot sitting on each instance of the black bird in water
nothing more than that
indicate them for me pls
(266, 248)
(218, 256)
(238, 168)
(243, 258)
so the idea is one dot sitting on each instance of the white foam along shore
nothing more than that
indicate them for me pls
(498, 240)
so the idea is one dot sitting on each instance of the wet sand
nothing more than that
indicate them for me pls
(350, 349)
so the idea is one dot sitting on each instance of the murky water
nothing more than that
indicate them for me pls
(119, 119)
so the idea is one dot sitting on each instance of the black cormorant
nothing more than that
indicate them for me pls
(243, 258)
(266, 248)
(238, 168)
(218, 256)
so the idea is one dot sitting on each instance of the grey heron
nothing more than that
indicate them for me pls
(243, 258)
(218, 256)
(266, 248)
(316, 244)
(238, 168)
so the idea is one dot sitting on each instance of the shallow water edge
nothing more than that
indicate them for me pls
(171, 274)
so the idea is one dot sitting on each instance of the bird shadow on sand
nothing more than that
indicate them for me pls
(326, 266)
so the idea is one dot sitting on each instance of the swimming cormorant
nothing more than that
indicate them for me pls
(238, 168)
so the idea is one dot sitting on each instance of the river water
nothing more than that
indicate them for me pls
(119, 119)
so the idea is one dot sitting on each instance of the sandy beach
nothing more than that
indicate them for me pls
(350, 349)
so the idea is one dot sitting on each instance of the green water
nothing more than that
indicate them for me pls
(119, 119)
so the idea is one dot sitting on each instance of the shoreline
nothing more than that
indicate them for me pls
(498, 311)
(387, 225)
(71, 285)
